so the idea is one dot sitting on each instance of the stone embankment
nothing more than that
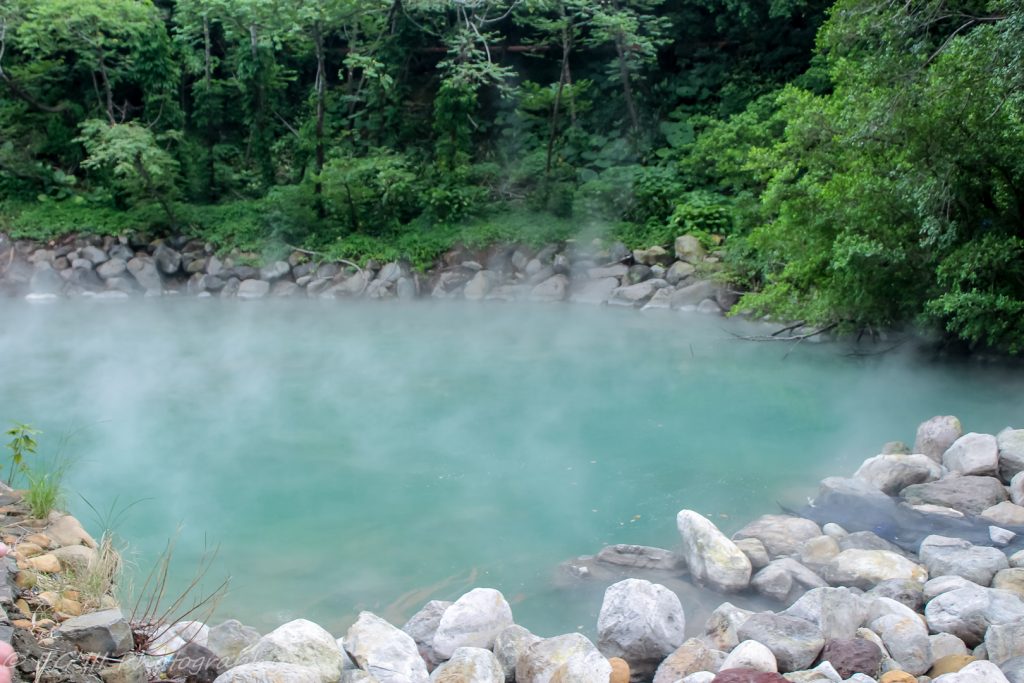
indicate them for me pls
(858, 598)
(109, 267)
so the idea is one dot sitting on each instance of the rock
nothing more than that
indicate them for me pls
(228, 639)
(837, 612)
(1005, 513)
(129, 670)
(594, 291)
(691, 294)
(969, 494)
(195, 663)
(1014, 670)
(423, 625)
(76, 558)
(283, 289)
(168, 261)
(510, 645)
(945, 556)
(773, 582)
(551, 290)
(679, 272)
(906, 640)
(853, 655)
(641, 622)
(620, 670)
(936, 435)
(893, 473)
(48, 563)
(904, 591)
(253, 289)
(614, 271)
(949, 664)
(897, 676)
(115, 267)
(639, 557)
(794, 642)
(690, 657)
(469, 665)
(689, 249)
(823, 673)
(482, 283)
(943, 584)
(145, 273)
(818, 552)
(474, 620)
(782, 535)
(105, 632)
(275, 271)
(946, 644)
(387, 653)
(751, 654)
(968, 612)
(270, 672)
(1005, 641)
(1011, 453)
(720, 628)
(569, 658)
(1017, 489)
(975, 672)
(45, 280)
(866, 568)
(653, 255)
(712, 558)
(298, 642)
(660, 301)
(634, 295)
(698, 677)
(973, 454)
(747, 676)
(755, 551)
(1011, 580)
(94, 255)
(895, 448)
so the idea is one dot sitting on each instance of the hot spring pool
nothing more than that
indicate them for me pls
(375, 456)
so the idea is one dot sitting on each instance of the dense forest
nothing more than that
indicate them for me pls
(859, 162)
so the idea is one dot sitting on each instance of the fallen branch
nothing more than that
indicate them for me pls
(362, 273)
(790, 338)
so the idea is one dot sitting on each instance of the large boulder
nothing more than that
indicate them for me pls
(973, 454)
(689, 249)
(634, 295)
(298, 642)
(782, 535)
(387, 653)
(851, 656)
(893, 473)
(968, 612)
(1004, 641)
(751, 654)
(1011, 579)
(423, 625)
(1011, 453)
(554, 288)
(594, 291)
(270, 672)
(795, 642)
(865, 569)
(906, 640)
(105, 632)
(228, 639)
(975, 672)
(469, 665)
(785, 579)
(167, 260)
(510, 645)
(970, 495)
(945, 556)
(838, 612)
(640, 622)
(712, 558)
(936, 435)
(481, 283)
(720, 629)
(639, 557)
(146, 274)
(1005, 514)
(689, 658)
(474, 620)
(569, 658)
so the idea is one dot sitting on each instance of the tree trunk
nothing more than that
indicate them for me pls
(320, 85)
(627, 87)
(562, 78)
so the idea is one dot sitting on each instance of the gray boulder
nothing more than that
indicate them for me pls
(968, 612)
(795, 642)
(1013, 669)
(782, 535)
(298, 642)
(554, 288)
(1011, 453)
(634, 295)
(1005, 641)
(387, 653)
(510, 645)
(906, 640)
(639, 557)
(270, 672)
(104, 633)
(93, 255)
(712, 558)
(689, 249)
(690, 295)
(720, 629)
(640, 622)
(691, 657)
(272, 272)
(114, 267)
(227, 640)
(168, 261)
(470, 665)
(569, 657)
(474, 620)
(423, 625)
(936, 435)
(146, 274)
(969, 494)
(893, 473)
(45, 280)
(751, 654)
(973, 454)
(594, 291)
(865, 569)
(954, 556)
(481, 283)
(975, 672)
(837, 612)
(253, 289)
(678, 272)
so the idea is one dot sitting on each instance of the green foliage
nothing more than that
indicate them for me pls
(45, 492)
(22, 443)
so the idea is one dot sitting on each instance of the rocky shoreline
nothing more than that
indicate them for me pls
(912, 570)
(593, 273)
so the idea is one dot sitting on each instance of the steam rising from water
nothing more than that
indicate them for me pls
(351, 457)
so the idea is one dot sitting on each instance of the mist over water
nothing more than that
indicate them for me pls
(376, 456)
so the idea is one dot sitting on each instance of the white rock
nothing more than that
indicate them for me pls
(751, 654)
(253, 289)
(712, 558)
(1017, 559)
(968, 612)
(270, 672)
(838, 612)
(1005, 514)
(936, 435)
(866, 568)
(571, 657)
(474, 620)
(882, 606)
(699, 677)
(386, 652)
(298, 642)
(834, 530)
(1000, 536)
(227, 640)
(893, 473)
(720, 628)
(906, 640)
(1011, 453)
(795, 642)
(946, 644)
(510, 645)
(973, 454)
(1017, 488)
(641, 622)
(423, 625)
(943, 584)
(469, 665)
(1005, 641)
(975, 672)
(782, 535)
(944, 556)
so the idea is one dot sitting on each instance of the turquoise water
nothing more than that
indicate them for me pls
(349, 457)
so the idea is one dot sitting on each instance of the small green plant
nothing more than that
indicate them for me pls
(45, 491)
(22, 443)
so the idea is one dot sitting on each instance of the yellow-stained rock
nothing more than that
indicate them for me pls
(45, 563)
(897, 677)
(25, 579)
(40, 540)
(28, 550)
(620, 671)
(949, 664)
(65, 530)
(70, 595)
(49, 598)
(23, 606)
(22, 623)
(71, 608)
